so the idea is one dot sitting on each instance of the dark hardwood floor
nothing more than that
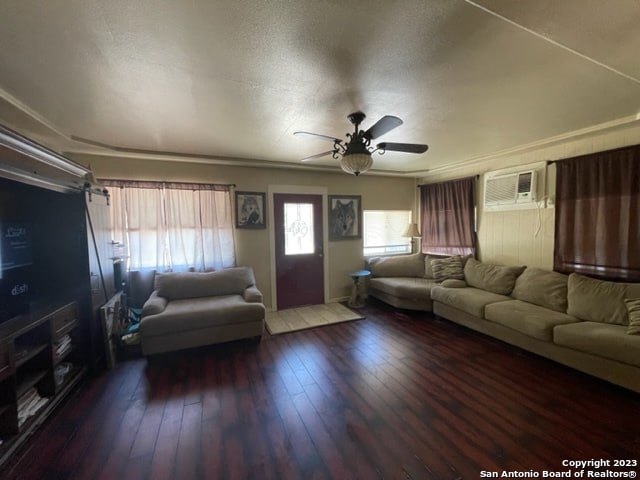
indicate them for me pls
(397, 395)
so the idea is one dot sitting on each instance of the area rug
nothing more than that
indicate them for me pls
(293, 319)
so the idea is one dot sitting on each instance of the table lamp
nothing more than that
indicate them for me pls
(412, 232)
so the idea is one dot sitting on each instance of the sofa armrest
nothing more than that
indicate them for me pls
(155, 304)
(252, 295)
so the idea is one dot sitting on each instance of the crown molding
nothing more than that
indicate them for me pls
(606, 127)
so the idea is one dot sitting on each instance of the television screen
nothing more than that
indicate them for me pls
(15, 246)
(43, 253)
(16, 258)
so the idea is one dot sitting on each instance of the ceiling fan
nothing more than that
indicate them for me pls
(355, 154)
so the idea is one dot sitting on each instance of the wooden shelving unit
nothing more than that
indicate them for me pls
(30, 370)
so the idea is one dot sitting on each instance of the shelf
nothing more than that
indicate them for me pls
(27, 367)
(70, 380)
(27, 352)
(66, 329)
(28, 382)
(57, 360)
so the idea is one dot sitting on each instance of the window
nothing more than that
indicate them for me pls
(383, 231)
(173, 226)
(298, 235)
(448, 217)
(598, 215)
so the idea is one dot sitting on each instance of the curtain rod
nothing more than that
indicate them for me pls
(452, 180)
(112, 182)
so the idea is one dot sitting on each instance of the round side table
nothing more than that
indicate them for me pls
(357, 300)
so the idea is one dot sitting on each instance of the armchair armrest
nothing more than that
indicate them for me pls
(155, 304)
(252, 295)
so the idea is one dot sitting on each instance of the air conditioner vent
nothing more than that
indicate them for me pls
(499, 190)
(509, 189)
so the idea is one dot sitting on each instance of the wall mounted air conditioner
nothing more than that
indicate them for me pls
(510, 189)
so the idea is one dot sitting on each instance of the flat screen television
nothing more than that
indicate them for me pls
(42, 248)
(16, 268)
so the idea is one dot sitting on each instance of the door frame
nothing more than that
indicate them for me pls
(296, 190)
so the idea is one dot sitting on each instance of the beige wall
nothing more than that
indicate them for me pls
(253, 246)
(525, 237)
(522, 237)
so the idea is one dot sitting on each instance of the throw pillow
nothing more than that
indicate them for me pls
(492, 278)
(428, 271)
(446, 268)
(633, 308)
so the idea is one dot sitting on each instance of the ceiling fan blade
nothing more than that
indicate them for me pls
(382, 126)
(317, 136)
(403, 147)
(317, 155)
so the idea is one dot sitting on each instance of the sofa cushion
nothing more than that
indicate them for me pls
(542, 287)
(527, 318)
(602, 339)
(445, 268)
(469, 300)
(398, 266)
(497, 279)
(416, 288)
(180, 285)
(204, 312)
(453, 283)
(599, 300)
(633, 310)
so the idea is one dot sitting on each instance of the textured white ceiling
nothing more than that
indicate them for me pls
(231, 80)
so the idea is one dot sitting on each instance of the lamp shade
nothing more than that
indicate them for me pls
(356, 163)
(412, 231)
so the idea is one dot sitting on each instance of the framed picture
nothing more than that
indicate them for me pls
(345, 217)
(250, 210)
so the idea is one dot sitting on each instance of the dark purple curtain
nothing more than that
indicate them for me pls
(597, 229)
(448, 217)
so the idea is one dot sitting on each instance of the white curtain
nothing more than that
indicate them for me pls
(173, 226)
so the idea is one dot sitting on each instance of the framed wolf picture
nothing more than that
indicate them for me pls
(345, 217)
(250, 210)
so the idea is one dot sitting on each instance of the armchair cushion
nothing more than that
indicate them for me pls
(181, 285)
(252, 295)
(154, 305)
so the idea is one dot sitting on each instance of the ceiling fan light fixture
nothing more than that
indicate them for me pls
(355, 154)
(356, 163)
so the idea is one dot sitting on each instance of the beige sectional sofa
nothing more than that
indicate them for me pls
(191, 309)
(590, 325)
(404, 281)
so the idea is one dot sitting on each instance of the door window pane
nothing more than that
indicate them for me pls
(298, 229)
